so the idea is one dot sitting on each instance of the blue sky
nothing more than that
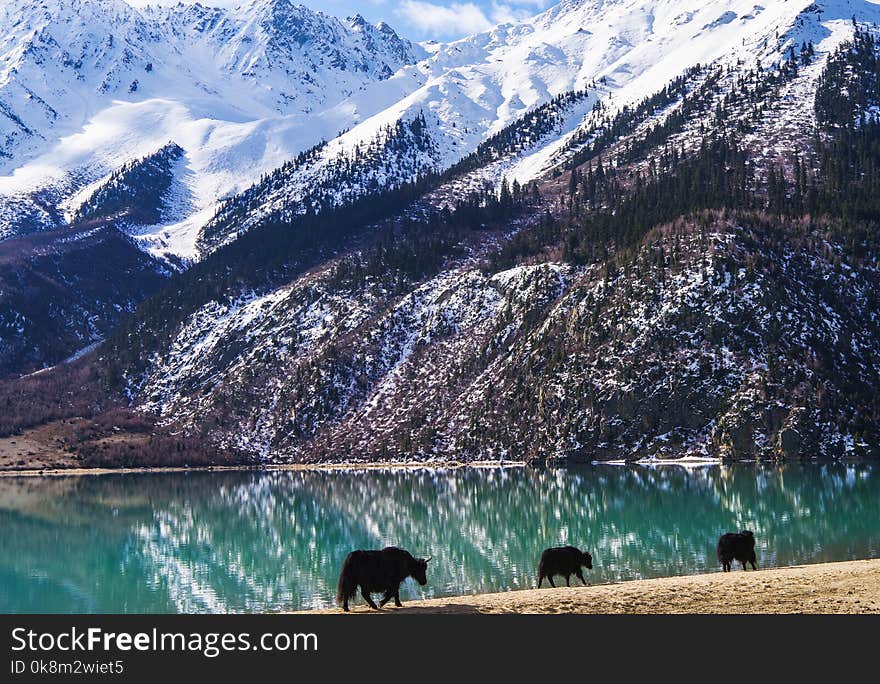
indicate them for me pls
(416, 19)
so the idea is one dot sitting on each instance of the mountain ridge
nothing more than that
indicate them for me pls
(626, 269)
(467, 90)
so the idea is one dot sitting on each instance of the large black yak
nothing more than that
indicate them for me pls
(565, 561)
(739, 546)
(378, 571)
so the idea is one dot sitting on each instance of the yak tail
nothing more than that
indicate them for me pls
(347, 585)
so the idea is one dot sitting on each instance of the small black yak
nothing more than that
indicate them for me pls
(563, 560)
(378, 571)
(739, 546)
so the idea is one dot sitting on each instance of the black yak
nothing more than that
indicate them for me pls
(563, 560)
(739, 546)
(378, 571)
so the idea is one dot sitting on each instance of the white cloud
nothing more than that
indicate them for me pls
(441, 21)
(505, 13)
(461, 18)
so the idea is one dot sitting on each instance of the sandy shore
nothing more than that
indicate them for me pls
(849, 587)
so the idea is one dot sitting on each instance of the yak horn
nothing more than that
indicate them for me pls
(428, 558)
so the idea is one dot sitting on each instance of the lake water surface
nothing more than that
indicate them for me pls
(274, 540)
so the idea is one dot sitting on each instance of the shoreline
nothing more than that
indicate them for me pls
(686, 462)
(327, 466)
(845, 587)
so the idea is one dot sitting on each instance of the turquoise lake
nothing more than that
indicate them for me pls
(240, 541)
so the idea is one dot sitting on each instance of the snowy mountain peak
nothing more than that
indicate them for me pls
(87, 86)
(199, 17)
(63, 62)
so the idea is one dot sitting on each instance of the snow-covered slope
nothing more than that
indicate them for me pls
(87, 85)
(532, 361)
(244, 91)
(611, 53)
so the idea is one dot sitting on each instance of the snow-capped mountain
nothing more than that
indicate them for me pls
(678, 253)
(88, 86)
(653, 325)
(611, 53)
